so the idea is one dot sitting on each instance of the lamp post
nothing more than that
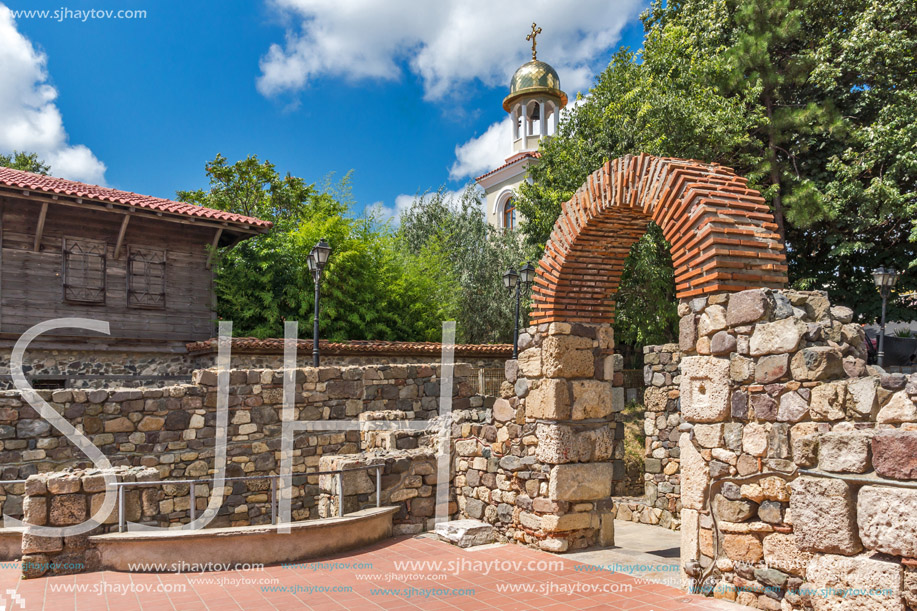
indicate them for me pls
(317, 260)
(512, 280)
(885, 280)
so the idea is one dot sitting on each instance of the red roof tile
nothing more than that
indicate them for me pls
(60, 186)
(355, 347)
(514, 159)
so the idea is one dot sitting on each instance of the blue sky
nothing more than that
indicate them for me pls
(407, 93)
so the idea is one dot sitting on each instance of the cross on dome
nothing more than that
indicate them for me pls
(535, 32)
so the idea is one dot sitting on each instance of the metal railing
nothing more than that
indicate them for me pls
(192, 484)
(489, 380)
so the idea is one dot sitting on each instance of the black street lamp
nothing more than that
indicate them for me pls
(512, 280)
(885, 279)
(317, 260)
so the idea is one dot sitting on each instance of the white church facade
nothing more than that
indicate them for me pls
(534, 102)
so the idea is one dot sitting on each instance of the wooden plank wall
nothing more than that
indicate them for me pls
(32, 285)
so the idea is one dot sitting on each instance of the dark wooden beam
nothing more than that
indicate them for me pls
(216, 243)
(41, 226)
(124, 209)
(123, 230)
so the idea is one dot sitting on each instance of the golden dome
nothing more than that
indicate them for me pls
(533, 78)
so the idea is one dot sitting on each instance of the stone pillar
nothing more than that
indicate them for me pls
(573, 391)
(67, 498)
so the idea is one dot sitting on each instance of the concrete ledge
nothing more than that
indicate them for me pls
(245, 544)
(11, 543)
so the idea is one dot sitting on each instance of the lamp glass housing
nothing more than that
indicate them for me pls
(527, 273)
(510, 278)
(885, 278)
(319, 255)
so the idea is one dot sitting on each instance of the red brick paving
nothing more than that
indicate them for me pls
(621, 591)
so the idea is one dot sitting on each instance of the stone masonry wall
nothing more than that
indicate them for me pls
(172, 430)
(793, 457)
(661, 503)
(541, 466)
(67, 498)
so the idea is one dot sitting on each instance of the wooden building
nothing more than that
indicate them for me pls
(141, 263)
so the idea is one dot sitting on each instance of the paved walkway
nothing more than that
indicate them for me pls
(401, 573)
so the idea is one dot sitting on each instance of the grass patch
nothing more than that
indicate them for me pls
(634, 446)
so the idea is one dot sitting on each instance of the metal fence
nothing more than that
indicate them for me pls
(489, 380)
(192, 484)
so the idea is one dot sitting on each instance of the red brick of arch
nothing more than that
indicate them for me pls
(723, 236)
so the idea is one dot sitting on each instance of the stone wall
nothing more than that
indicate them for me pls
(792, 457)
(93, 363)
(661, 502)
(97, 368)
(63, 499)
(172, 430)
(542, 464)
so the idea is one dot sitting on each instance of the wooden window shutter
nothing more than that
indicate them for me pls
(146, 278)
(84, 271)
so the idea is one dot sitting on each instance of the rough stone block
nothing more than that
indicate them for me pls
(743, 548)
(777, 337)
(733, 511)
(709, 435)
(704, 389)
(465, 533)
(844, 452)
(712, 320)
(694, 474)
(824, 516)
(863, 396)
(771, 368)
(559, 443)
(782, 553)
(33, 544)
(550, 400)
(687, 333)
(591, 399)
(747, 307)
(887, 518)
(67, 509)
(793, 407)
(35, 510)
(503, 411)
(569, 521)
(898, 410)
(567, 356)
(754, 439)
(580, 482)
(894, 454)
(530, 363)
(854, 584)
(829, 401)
(722, 343)
(655, 399)
(818, 363)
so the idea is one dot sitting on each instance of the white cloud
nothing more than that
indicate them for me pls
(446, 42)
(484, 153)
(29, 119)
(489, 150)
(403, 202)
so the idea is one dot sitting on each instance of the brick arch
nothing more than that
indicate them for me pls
(722, 232)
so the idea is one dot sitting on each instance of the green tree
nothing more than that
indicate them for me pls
(471, 256)
(645, 309)
(370, 289)
(815, 105)
(27, 162)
